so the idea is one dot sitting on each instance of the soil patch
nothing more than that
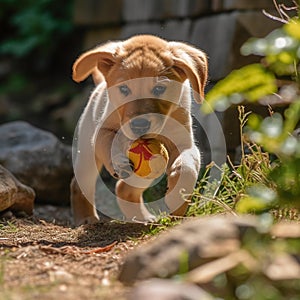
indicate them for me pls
(43, 257)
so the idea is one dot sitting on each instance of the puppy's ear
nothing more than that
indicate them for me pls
(193, 63)
(96, 62)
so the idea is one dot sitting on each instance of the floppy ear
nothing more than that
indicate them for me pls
(193, 63)
(96, 62)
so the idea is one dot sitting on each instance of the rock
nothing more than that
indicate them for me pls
(13, 194)
(38, 159)
(219, 254)
(163, 289)
(186, 246)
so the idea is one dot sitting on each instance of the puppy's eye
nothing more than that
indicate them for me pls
(158, 90)
(125, 90)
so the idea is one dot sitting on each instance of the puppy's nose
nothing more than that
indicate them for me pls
(140, 126)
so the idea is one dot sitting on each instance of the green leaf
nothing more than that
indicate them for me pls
(293, 28)
(254, 121)
(251, 82)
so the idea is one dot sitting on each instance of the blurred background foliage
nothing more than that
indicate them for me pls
(37, 49)
(279, 68)
(268, 176)
(33, 25)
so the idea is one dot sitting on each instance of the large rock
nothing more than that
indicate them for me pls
(193, 243)
(38, 159)
(203, 248)
(13, 194)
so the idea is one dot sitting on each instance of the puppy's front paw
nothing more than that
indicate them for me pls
(123, 167)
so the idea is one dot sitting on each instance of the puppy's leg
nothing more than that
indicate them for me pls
(130, 200)
(182, 177)
(83, 186)
(84, 211)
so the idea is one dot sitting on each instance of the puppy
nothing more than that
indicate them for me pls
(144, 87)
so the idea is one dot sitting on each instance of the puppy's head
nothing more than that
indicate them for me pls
(145, 76)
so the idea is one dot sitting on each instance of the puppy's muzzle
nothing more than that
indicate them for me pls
(140, 126)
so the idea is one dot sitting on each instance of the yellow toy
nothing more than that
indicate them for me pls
(149, 157)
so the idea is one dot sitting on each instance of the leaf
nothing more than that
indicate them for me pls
(254, 121)
(293, 28)
(252, 82)
(254, 46)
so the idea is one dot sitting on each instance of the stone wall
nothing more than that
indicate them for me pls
(219, 27)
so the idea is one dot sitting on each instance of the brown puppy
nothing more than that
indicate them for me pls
(143, 89)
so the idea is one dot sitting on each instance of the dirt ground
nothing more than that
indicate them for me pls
(44, 257)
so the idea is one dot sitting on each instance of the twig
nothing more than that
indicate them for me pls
(75, 250)
(101, 249)
(281, 9)
(277, 8)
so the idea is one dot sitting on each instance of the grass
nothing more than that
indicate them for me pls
(239, 189)
(8, 226)
(223, 196)
(246, 187)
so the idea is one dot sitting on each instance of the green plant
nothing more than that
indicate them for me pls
(165, 221)
(8, 226)
(228, 194)
(262, 185)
